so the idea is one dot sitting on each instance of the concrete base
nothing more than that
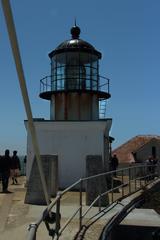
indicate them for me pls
(34, 194)
(95, 186)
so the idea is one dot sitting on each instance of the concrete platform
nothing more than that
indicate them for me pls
(15, 216)
(142, 217)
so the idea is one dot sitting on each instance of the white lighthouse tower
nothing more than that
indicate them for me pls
(77, 127)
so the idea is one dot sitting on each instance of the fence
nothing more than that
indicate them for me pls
(119, 184)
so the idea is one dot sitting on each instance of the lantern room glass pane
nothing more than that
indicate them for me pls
(74, 71)
(71, 77)
(60, 78)
(53, 74)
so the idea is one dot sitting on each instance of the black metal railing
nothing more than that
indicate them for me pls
(131, 180)
(61, 83)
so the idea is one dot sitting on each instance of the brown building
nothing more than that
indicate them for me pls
(138, 149)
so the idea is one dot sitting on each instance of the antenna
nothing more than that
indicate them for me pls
(75, 23)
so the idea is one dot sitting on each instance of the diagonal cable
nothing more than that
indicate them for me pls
(17, 58)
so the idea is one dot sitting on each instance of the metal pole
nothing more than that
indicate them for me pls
(17, 58)
(135, 181)
(129, 180)
(122, 184)
(141, 174)
(99, 188)
(146, 172)
(112, 185)
(158, 168)
(58, 216)
(32, 231)
(80, 203)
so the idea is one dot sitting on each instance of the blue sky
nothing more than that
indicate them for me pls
(126, 32)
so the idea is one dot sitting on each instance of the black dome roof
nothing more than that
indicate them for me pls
(75, 44)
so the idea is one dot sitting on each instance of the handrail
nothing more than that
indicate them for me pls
(111, 172)
(117, 218)
(48, 82)
(70, 187)
(146, 177)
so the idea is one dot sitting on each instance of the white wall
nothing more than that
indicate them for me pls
(72, 142)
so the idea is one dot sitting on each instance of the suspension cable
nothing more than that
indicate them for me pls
(18, 63)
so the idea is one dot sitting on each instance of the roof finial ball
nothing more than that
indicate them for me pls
(75, 31)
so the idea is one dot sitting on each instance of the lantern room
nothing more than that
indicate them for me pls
(75, 86)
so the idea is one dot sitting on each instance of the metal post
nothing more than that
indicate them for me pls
(58, 216)
(135, 181)
(99, 200)
(80, 204)
(32, 231)
(112, 186)
(146, 172)
(122, 183)
(158, 168)
(129, 180)
(141, 173)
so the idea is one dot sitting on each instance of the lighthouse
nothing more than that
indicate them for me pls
(78, 126)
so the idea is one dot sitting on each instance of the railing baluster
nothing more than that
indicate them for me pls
(80, 203)
(123, 184)
(58, 216)
(141, 174)
(99, 200)
(135, 181)
(129, 180)
(112, 184)
(146, 173)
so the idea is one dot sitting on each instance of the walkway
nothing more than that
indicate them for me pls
(15, 216)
